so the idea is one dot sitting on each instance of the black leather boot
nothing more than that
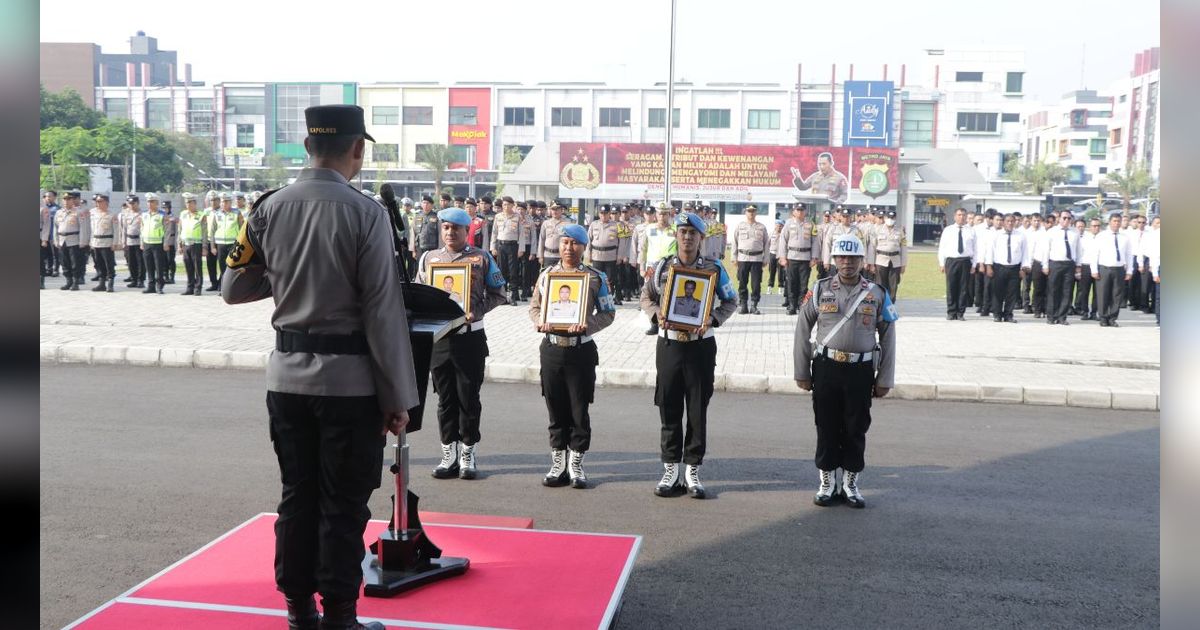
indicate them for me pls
(342, 614)
(100, 287)
(302, 613)
(111, 281)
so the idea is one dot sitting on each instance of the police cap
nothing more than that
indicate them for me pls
(427, 198)
(446, 197)
(128, 198)
(800, 207)
(460, 199)
(99, 196)
(470, 201)
(187, 196)
(751, 208)
(891, 214)
(73, 194)
(336, 120)
(151, 197)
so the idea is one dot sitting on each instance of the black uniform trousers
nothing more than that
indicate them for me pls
(1112, 292)
(193, 264)
(798, 272)
(686, 372)
(211, 262)
(841, 399)
(1148, 285)
(106, 262)
(751, 272)
(1005, 286)
(56, 256)
(156, 264)
(629, 281)
(222, 258)
(133, 259)
(609, 268)
(170, 260)
(72, 261)
(550, 262)
(569, 386)
(1062, 276)
(46, 259)
(983, 291)
(330, 455)
(773, 269)
(1085, 292)
(958, 279)
(1039, 283)
(510, 265)
(1024, 299)
(456, 370)
(529, 270)
(888, 278)
(1133, 287)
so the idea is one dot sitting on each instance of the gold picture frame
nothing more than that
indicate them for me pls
(453, 278)
(685, 308)
(565, 301)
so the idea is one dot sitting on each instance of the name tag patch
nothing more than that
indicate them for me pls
(828, 304)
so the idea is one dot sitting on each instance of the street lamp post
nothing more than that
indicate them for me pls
(667, 153)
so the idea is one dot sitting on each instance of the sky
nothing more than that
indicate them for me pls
(623, 43)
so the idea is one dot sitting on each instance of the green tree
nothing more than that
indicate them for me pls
(1134, 181)
(117, 140)
(276, 173)
(64, 152)
(196, 159)
(1035, 178)
(67, 109)
(158, 168)
(512, 159)
(437, 158)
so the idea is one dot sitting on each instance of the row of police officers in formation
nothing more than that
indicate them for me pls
(1051, 267)
(150, 238)
(342, 373)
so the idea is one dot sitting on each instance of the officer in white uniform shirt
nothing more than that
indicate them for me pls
(1111, 264)
(1008, 261)
(1086, 296)
(1063, 258)
(956, 251)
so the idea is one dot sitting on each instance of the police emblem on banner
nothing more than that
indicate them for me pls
(579, 173)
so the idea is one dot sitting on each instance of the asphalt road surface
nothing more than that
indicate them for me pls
(978, 516)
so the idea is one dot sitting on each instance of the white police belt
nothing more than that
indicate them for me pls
(564, 341)
(472, 327)
(844, 357)
(683, 335)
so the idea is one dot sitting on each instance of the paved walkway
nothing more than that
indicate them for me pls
(1030, 362)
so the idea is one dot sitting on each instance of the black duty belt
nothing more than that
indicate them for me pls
(757, 253)
(883, 253)
(550, 251)
(316, 343)
(503, 242)
(605, 249)
(800, 249)
(68, 233)
(103, 236)
(133, 235)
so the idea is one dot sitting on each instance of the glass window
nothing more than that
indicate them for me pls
(1013, 81)
(245, 135)
(1076, 174)
(518, 116)
(252, 105)
(200, 116)
(385, 115)
(814, 123)
(418, 115)
(977, 122)
(658, 117)
(1010, 117)
(566, 117)
(1079, 117)
(1114, 137)
(290, 103)
(461, 153)
(158, 113)
(1006, 156)
(713, 119)
(916, 129)
(1098, 146)
(763, 119)
(116, 107)
(968, 77)
(385, 152)
(1079, 142)
(614, 116)
(464, 115)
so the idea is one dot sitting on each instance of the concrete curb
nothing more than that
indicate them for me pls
(643, 379)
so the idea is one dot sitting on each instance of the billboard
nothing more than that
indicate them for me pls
(867, 114)
(716, 172)
(242, 156)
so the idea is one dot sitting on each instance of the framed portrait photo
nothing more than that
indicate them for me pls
(455, 279)
(688, 297)
(565, 300)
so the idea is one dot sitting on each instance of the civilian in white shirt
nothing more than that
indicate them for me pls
(956, 251)
(984, 231)
(1139, 287)
(1037, 280)
(1152, 250)
(1007, 263)
(1112, 266)
(1062, 267)
(1086, 301)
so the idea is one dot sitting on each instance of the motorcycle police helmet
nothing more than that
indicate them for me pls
(847, 245)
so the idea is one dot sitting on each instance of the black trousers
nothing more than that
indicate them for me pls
(222, 258)
(888, 278)
(56, 256)
(1025, 299)
(46, 259)
(170, 260)
(1085, 292)
(629, 281)
(841, 399)
(609, 268)
(685, 378)
(1040, 283)
(1148, 285)
(193, 264)
(156, 264)
(752, 272)
(1005, 287)
(569, 386)
(1062, 277)
(72, 261)
(210, 260)
(529, 271)
(983, 291)
(106, 262)
(330, 455)
(798, 272)
(773, 268)
(958, 279)
(456, 370)
(1112, 292)
(133, 258)
(1134, 292)
(550, 262)
(510, 265)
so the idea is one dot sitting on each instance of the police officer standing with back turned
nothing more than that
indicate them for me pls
(685, 362)
(341, 375)
(853, 361)
(456, 367)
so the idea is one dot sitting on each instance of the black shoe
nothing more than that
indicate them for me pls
(302, 612)
(160, 288)
(1009, 319)
(141, 284)
(1028, 310)
(111, 282)
(997, 318)
(653, 329)
(754, 308)
(952, 316)
(1064, 322)
(343, 615)
(985, 313)
(1113, 324)
(618, 302)
(95, 278)
(150, 289)
(791, 311)
(742, 308)
(213, 287)
(98, 287)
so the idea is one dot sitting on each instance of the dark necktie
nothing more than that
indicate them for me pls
(960, 243)
(1117, 245)
(1010, 248)
(1067, 242)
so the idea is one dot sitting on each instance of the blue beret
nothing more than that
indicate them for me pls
(457, 216)
(690, 219)
(575, 231)
(779, 222)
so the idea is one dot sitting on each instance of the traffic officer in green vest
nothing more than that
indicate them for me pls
(193, 238)
(888, 253)
(457, 364)
(154, 234)
(224, 226)
(658, 242)
(794, 251)
(214, 207)
(853, 361)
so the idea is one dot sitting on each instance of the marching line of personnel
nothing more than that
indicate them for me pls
(150, 239)
(1050, 267)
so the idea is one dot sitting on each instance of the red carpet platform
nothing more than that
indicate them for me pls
(519, 578)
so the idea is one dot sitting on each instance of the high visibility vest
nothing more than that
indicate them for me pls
(225, 227)
(192, 228)
(153, 230)
(660, 243)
